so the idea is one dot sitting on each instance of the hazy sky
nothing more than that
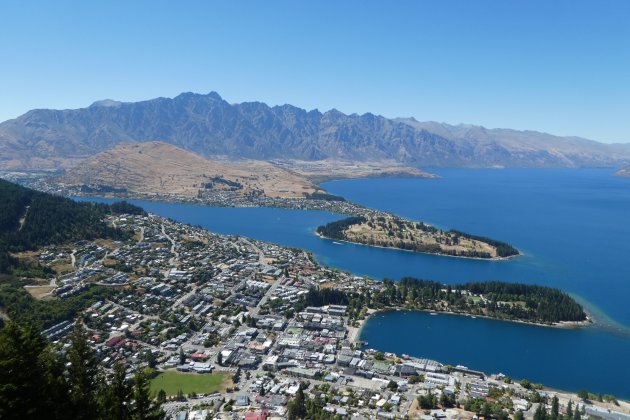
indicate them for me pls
(556, 66)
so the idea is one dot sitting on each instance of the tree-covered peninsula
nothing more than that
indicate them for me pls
(395, 232)
(500, 300)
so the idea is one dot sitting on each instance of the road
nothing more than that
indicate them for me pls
(175, 256)
(261, 254)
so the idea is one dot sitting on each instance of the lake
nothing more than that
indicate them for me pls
(572, 225)
(568, 359)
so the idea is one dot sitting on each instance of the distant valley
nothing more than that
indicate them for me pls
(211, 127)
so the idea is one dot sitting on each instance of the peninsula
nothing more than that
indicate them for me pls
(152, 292)
(391, 231)
(499, 300)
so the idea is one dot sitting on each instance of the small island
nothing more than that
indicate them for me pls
(390, 231)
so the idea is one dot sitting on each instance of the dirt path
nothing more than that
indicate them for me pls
(23, 218)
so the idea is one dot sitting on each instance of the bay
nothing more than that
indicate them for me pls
(572, 225)
(567, 359)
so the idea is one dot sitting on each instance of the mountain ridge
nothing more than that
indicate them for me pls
(208, 125)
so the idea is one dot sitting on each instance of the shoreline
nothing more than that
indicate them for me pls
(314, 202)
(589, 322)
(520, 254)
(624, 404)
(183, 200)
(562, 324)
(354, 333)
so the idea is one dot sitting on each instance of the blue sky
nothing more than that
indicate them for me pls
(556, 66)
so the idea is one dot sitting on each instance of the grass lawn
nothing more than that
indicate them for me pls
(381, 365)
(199, 383)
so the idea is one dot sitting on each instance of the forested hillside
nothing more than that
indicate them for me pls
(30, 219)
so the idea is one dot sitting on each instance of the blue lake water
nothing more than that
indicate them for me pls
(573, 225)
(591, 358)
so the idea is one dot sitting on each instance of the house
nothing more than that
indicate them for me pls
(199, 357)
(270, 363)
(113, 341)
(256, 416)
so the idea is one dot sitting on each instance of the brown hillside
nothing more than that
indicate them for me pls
(157, 167)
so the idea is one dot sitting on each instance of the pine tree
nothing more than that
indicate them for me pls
(161, 396)
(150, 358)
(555, 409)
(84, 376)
(182, 356)
(144, 408)
(56, 395)
(23, 377)
(115, 400)
(541, 413)
(297, 407)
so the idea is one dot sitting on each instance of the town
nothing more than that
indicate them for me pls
(226, 326)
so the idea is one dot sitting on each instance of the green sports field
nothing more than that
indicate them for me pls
(199, 383)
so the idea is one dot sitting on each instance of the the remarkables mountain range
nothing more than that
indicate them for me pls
(210, 126)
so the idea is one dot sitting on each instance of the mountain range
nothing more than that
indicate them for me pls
(208, 125)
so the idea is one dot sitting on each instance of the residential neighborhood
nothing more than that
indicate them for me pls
(229, 311)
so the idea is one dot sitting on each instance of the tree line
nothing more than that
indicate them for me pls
(335, 230)
(323, 196)
(21, 307)
(30, 219)
(302, 407)
(503, 249)
(502, 300)
(39, 382)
